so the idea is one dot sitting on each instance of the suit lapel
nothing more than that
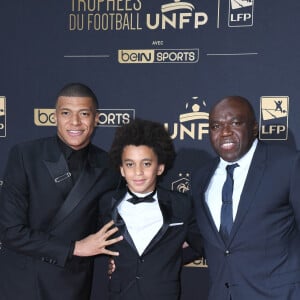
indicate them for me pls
(60, 174)
(253, 180)
(204, 217)
(84, 183)
(58, 169)
(166, 209)
(165, 203)
(119, 222)
(210, 172)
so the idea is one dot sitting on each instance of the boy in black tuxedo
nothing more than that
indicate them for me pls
(154, 221)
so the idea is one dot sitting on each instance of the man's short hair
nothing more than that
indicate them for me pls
(76, 89)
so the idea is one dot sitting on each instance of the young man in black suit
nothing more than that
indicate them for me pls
(154, 221)
(49, 207)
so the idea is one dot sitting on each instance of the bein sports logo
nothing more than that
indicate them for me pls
(106, 118)
(274, 117)
(240, 13)
(151, 56)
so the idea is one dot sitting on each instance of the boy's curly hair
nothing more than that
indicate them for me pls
(141, 132)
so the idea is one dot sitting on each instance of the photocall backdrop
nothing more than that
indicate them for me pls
(164, 60)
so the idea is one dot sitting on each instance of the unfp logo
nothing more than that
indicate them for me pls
(2, 116)
(274, 118)
(177, 15)
(193, 124)
(240, 13)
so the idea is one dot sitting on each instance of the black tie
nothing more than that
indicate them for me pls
(226, 211)
(136, 200)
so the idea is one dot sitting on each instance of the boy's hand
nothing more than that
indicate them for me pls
(111, 266)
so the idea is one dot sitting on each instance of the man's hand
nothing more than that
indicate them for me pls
(95, 244)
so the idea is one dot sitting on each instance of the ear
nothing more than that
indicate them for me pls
(122, 171)
(160, 169)
(55, 115)
(255, 129)
(96, 118)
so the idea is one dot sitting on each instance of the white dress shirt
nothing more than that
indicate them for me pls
(213, 194)
(142, 220)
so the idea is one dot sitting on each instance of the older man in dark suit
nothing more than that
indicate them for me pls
(49, 207)
(249, 212)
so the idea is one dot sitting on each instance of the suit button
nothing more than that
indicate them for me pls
(226, 284)
(227, 252)
(142, 260)
(138, 277)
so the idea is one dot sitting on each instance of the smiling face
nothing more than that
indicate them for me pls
(76, 118)
(232, 128)
(140, 168)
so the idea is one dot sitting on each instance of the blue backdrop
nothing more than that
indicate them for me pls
(168, 61)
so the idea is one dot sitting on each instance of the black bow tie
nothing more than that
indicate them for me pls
(136, 200)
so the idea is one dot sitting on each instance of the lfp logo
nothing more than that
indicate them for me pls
(2, 116)
(274, 112)
(240, 13)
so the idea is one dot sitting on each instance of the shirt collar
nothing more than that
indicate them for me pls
(68, 151)
(244, 161)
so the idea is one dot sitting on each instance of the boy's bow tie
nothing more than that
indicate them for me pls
(136, 200)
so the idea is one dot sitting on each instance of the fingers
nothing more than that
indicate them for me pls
(112, 253)
(107, 226)
(102, 235)
(114, 240)
(105, 230)
(111, 266)
(102, 238)
(110, 232)
(111, 261)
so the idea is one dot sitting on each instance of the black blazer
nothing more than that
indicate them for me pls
(262, 258)
(156, 273)
(38, 224)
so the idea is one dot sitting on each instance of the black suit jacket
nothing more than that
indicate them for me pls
(156, 273)
(262, 258)
(38, 224)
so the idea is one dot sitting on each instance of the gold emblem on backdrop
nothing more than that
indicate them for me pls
(107, 117)
(274, 112)
(193, 124)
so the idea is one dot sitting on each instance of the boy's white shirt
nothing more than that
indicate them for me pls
(142, 220)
